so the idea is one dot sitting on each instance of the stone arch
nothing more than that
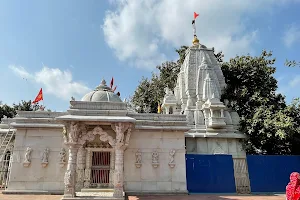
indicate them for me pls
(90, 136)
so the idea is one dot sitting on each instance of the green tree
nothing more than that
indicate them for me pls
(251, 91)
(292, 63)
(141, 98)
(293, 111)
(150, 93)
(11, 111)
(168, 72)
(6, 110)
(26, 106)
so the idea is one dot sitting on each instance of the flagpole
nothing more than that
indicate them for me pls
(195, 40)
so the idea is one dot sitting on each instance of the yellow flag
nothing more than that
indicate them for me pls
(158, 109)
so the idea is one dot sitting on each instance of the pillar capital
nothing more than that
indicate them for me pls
(123, 132)
(72, 131)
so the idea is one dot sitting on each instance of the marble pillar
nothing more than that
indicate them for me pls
(70, 175)
(112, 169)
(87, 171)
(119, 173)
(123, 132)
(80, 168)
(71, 132)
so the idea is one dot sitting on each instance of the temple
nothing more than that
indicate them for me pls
(101, 148)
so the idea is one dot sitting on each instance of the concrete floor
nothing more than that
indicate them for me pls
(178, 197)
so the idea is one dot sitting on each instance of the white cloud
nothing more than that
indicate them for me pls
(54, 81)
(20, 71)
(139, 30)
(291, 35)
(295, 82)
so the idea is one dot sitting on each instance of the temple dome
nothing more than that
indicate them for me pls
(102, 93)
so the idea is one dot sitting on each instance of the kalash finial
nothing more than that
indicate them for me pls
(103, 82)
(195, 40)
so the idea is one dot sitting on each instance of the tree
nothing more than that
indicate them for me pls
(6, 110)
(26, 106)
(293, 111)
(251, 91)
(292, 63)
(11, 111)
(168, 72)
(150, 93)
(141, 98)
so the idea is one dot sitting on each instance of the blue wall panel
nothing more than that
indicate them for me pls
(210, 173)
(271, 173)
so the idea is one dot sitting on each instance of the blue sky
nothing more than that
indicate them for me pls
(67, 47)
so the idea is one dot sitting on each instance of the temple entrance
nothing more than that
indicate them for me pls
(100, 169)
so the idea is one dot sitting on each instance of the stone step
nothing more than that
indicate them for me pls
(97, 190)
(92, 198)
(94, 194)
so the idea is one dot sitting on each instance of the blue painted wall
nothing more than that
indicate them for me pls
(210, 173)
(271, 173)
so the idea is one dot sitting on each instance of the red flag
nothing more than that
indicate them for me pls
(195, 15)
(39, 97)
(112, 82)
(114, 89)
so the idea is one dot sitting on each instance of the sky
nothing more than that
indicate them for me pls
(67, 47)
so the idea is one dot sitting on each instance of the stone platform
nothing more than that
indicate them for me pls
(97, 193)
(92, 197)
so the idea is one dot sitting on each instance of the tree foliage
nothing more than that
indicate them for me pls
(150, 92)
(292, 63)
(11, 111)
(265, 117)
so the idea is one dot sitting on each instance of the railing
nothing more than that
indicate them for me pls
(100, 169)
(100, 176)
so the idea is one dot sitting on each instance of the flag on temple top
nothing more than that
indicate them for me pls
(112, 82)
(114, 89)
(195, 16)
(39, 97)
(158, 109)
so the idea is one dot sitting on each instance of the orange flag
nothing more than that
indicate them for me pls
(195, 15)
(39, 97)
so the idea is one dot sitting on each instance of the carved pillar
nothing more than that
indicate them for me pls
(122, 142)
(87, 171)
(119, 174)
(70, 175)
(71, 132)
(80, 168)
(112, 169)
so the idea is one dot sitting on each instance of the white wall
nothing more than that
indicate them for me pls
(160, 179)
(35, 177)
(230, 146)
(144, 179)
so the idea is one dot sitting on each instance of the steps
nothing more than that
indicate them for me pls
(95, 194)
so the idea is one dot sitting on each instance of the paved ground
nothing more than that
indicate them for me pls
(189, 197)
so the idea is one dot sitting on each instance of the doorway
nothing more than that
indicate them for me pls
(100, 169)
